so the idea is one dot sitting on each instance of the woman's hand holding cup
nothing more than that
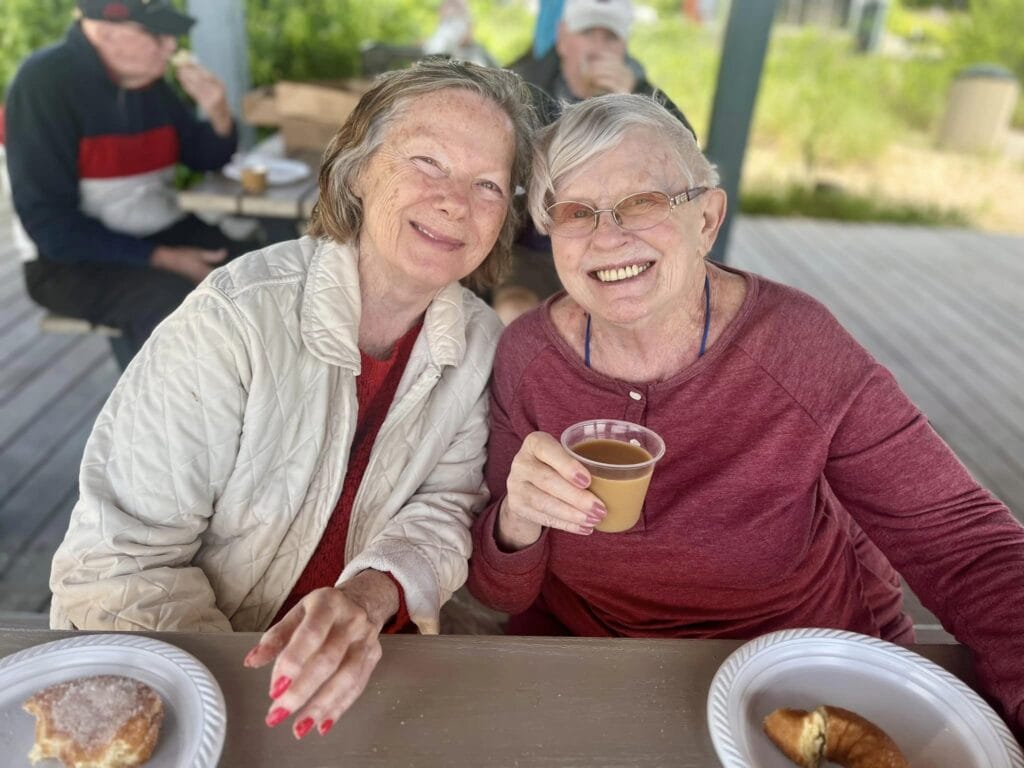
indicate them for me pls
(546, 487)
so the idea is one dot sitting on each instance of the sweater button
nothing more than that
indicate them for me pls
(635, 395)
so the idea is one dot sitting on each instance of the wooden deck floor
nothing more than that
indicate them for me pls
(51, 388)
(940, 308)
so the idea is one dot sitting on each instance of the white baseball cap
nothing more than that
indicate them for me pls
(614, 15)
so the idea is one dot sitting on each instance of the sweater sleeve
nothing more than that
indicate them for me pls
(958, 547)
(42, 158)
(505, 581)
(202, 148)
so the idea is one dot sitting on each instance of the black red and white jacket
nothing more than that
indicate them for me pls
(91, 163)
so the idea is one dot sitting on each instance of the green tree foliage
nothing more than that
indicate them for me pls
(990, 32)
(294, 39)
(26, 25)
(320, 39)
(504, 28)
(820, 98)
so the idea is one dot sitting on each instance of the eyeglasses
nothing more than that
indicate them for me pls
(634, 213)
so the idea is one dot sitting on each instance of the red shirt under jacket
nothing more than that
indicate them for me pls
(375, 389)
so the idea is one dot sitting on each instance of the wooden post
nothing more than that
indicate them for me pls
(739, 77)
(221, 44)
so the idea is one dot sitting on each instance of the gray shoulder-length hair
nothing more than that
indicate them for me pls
(595, 125)
(338, 213)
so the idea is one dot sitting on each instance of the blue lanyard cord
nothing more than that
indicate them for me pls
(707, 316)
(703, 339)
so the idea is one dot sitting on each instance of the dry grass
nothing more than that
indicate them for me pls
(988, 190)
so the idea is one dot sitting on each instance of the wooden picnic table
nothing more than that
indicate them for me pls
(215, 193)
(489, 701)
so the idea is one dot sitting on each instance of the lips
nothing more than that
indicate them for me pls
(432, 235)
(619, 274)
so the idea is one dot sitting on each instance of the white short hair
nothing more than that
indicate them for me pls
(596, 125)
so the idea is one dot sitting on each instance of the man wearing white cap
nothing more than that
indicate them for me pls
(589, 58)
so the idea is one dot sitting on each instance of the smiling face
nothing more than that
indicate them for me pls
(625, 277)
(436, 192)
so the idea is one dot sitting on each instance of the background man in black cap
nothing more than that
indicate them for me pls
(94, 132)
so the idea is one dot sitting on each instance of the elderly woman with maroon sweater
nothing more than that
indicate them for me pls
(798, 480)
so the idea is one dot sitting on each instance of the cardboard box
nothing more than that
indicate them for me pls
(327, 102)
(308, 114)
(259, 107)
(300, 135)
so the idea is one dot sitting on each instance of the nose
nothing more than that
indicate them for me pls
(606, 214)
(453, 199)
(608, 228)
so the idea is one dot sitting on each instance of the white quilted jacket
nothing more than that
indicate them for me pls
(213, 468)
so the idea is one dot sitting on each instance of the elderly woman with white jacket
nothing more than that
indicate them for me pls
(299, 448)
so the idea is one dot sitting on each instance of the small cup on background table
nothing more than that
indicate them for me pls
(620, 457)
(253, 179)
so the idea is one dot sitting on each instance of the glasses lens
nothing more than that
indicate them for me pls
(643, 210)
(571, 218)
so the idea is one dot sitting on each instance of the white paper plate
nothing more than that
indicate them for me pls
(934, 718)
(194, 723)
(280, 170)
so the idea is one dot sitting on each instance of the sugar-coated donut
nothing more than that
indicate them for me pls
(106, 721)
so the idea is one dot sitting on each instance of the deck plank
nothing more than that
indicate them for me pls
(28, 508)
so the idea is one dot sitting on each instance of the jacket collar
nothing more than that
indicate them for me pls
(85, 55)
(331, 306)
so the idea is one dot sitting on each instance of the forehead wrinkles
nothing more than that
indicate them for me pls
(631, 167)
(459, 134)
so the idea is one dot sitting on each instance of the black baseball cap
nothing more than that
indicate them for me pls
(157, 16)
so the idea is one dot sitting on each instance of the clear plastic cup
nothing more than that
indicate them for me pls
(620, 457)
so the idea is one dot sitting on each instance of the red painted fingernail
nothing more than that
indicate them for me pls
(280, 686)
(250, 657)
(277, 716)
(325, 726)
(581, 480)
(302, 727)
(599, 509)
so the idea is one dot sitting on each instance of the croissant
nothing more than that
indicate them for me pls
(832, 733)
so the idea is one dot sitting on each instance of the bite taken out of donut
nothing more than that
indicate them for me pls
(105, 721)
(832, 733)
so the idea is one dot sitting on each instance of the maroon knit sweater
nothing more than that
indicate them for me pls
(375, 389)
(798, 480)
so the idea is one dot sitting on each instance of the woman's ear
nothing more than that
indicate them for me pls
(712, 216)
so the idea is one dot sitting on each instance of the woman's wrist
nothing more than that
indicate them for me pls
(512, 533)
(375, 593)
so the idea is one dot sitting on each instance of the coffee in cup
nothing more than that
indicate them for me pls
(620, 457)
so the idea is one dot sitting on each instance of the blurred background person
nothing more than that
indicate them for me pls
(453, 36)
(589, 58)
(94, 132)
